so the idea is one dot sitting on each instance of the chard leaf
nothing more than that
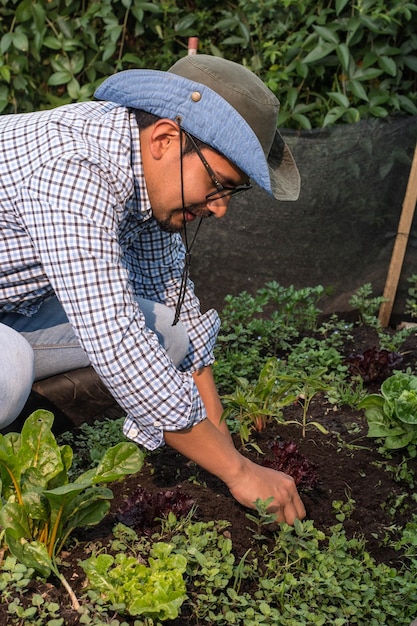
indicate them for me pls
(39, 447)
(40, 502)
(9, 466)
(35, 505)
(13, 516)
(61, 478)
(89, 515)
(60, 498)
(69, 489)
(11, 443)
(118, 461)
(17, 535)
(32, 479)
(32, 554)
(88, 508)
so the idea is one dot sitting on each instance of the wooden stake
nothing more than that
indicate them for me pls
(400, 245)
(192, 45)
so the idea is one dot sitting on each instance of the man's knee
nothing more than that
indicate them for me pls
(174, 339)
(16, 374)
(180, 343)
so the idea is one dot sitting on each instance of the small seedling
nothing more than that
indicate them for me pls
(305, 386)
(264, 517)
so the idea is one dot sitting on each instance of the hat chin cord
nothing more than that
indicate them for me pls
(188, 245)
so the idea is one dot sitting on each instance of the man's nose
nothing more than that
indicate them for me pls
(219, 207)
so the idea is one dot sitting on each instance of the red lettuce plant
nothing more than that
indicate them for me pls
(373, 364)
(142, 507)
(288, 459)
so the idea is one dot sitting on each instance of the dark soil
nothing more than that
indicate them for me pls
(348, 465)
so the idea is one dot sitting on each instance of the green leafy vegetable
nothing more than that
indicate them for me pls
(39, 506)
(392, 414)
(156, 591)
(254, 404)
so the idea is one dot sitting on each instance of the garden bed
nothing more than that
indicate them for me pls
(361, 494)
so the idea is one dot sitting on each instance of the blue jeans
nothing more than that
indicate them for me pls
(43, 345)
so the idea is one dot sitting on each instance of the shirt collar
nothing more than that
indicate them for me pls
(139, 204)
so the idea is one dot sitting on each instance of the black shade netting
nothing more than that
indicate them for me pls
(340, 233)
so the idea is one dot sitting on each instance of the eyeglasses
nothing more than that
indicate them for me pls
(222, 191)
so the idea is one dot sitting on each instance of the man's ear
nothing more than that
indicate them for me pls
(163, 135)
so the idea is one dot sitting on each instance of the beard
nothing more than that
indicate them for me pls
(169, 226)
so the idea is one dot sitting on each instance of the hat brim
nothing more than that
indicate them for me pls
(283, 171)
(210, 118)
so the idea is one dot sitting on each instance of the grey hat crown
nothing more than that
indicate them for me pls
(240, 87)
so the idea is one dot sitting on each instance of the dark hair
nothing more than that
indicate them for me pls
(145, 119)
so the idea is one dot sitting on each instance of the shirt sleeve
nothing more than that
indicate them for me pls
(69, 209)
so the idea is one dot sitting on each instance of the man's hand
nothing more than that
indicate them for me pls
(213, 450)
(260, 482)
(210, 445)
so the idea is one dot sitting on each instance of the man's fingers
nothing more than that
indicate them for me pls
(289, 512)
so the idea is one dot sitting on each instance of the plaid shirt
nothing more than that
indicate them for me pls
(75, 220)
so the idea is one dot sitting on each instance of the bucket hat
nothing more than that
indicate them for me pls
(223, 104)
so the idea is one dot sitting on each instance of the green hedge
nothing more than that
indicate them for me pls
(340, 60)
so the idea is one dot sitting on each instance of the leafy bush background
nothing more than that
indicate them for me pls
(340, 60)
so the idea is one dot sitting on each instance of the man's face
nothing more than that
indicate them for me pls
(163, 180)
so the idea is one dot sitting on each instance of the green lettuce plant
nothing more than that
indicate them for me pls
(392, 414)
(40, 508)
(156, 591)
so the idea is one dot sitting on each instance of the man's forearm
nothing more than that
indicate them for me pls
(210, 445)
(206, 386)
(211, 449)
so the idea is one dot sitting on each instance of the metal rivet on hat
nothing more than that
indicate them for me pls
(196, 96)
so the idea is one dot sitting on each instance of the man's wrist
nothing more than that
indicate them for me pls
(210, 448)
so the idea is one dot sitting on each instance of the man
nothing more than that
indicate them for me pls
(93, 268)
